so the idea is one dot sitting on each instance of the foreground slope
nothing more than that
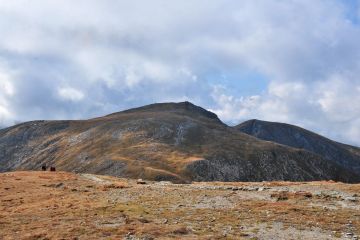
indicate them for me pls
(169, 141)
(46, 205)
(293, 136)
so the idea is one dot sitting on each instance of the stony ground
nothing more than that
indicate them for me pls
(48, 205)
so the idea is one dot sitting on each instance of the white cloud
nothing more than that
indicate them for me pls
(72, 94)
(233, 109)
(4, 115)
(338, 98)
(287, 89)
(6, 90)
(6, 87)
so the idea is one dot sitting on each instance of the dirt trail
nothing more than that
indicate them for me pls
(96, 179)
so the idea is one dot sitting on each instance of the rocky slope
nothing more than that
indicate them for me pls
(293, 136)
(169, 141)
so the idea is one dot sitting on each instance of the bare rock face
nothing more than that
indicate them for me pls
(177, 142)
(344, 155)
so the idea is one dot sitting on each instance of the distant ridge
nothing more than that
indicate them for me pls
(297, 137)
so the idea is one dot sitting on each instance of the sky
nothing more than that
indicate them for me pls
(293, 61)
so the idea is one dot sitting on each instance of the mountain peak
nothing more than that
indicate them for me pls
(186, 108)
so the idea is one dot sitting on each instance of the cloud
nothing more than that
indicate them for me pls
(6, 90)
(72, 94)
(81, 59)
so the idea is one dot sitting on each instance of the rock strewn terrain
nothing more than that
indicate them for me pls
(59, 205)
(179, 142)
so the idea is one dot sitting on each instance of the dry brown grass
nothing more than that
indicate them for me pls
(45, 205)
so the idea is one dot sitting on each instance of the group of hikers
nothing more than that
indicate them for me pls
(44, 168)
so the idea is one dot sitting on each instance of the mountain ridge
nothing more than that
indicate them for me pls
(297, 137)
(171, 141)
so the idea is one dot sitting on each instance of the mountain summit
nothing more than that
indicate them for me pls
(182, 108)
(166, 141)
